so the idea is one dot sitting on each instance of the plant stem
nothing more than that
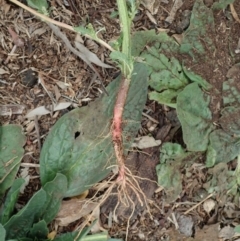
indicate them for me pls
(63, 25)
(126, 44)
(127, 69)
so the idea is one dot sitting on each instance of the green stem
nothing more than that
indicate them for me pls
(126, 44)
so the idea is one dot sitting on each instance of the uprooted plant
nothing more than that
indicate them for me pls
(83, 146)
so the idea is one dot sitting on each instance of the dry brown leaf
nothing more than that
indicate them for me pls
(145, 142)
(17, 41)
(3, 71)
(74, 209)
(38, 32)
(5, 7)
(226, 233)
(151, 18)
(151, 5)
(97, 227)
(209, 205)
(11, 109)
(42, 110)
(177, 4)
(234, 13)
(57, 92)
(91, 57)
(62, 85)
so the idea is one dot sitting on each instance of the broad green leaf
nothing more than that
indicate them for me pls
(21, 223)
(149, 38)
(223, 147)
(10, 201)
(40, 5)
(167, 97)
(11, 141)
(55, 191)
(195, 117)
(230, 121)
(196, 39)
(168, 171)
(166, 74)
(231, 93)
(221, 4)
(170, 152)
(166, 77)
(2, 233)
(79, 145)
(38, 231)
(170, 179)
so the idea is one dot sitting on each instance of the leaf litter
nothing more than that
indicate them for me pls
(204, 71)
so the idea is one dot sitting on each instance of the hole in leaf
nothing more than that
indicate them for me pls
(77, 134)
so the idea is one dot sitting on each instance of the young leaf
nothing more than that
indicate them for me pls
(10, 201)
(122, 59)
(21, 223)
(40, 5)
(79, 146)
(221, 4)
(195, 117)
(11, 152)
(88, 30)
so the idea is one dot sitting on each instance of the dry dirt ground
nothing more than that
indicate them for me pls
(68, 79)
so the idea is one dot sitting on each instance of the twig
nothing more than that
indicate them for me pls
(23, 164)
(150, 118)
(4, 82)
(41, 81)
(195, 206)
(63, 25)
(37, 132)
(17, 43)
